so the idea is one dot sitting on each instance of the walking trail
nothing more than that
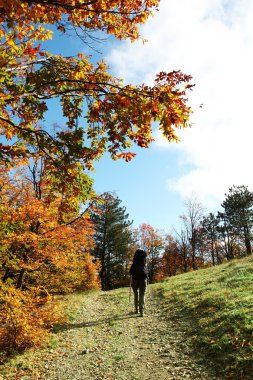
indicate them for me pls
(106, 341)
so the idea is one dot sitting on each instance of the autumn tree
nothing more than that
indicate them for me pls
(191, 221)
(35, 241)
(172, 260)
(151, 240)
(102, 114)
(183, 246)
(44, 249)
(112, 240)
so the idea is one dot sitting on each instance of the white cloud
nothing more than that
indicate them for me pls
(213, 41)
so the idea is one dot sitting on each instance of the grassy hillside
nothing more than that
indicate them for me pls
(197, 326)
(218, 305)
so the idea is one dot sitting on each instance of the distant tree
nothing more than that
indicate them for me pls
(210, 225)
(227, 236)
(184, 249)
(238, 211)
(152, 242)
(112, 239)
(191, 222)
(172, 261)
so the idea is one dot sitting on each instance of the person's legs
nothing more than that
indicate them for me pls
(142, 290)
(136, 295)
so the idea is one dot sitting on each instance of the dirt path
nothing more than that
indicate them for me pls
(106, 341)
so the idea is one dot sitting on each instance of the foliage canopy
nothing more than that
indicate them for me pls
(102, 113)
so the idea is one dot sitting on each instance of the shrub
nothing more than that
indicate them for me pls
(25, 317)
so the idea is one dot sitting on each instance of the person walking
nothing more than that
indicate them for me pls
(139, 275)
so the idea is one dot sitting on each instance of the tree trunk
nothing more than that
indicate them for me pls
(21, 278)
(102, 273)
(218, 257)
(247, 241)
(185, 261)
(248, 246)
(213, 257)
(6, 275)
(103, 259)
(108, 272)
(193, 257)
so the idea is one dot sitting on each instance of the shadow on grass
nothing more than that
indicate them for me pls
(180, 320)
(111, 320)
(212, 338)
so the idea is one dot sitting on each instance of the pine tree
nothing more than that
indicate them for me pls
(238, 209)
(209, 227)
(113, 238)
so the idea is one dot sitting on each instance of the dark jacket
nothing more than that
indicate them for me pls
(138, 271)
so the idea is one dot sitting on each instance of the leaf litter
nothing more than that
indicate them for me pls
(107, 341)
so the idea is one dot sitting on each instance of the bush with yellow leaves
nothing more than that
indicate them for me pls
(26, 317)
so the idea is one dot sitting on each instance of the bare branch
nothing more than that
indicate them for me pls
(23, 67)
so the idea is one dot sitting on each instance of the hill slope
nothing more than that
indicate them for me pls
(197, 326)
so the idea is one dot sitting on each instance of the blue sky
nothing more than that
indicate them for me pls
(212, 40)
(141, 185)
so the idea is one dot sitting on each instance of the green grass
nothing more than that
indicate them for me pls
(213, 306)
(217, 304)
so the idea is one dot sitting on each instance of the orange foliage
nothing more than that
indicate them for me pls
(32, 238)
(90, 278)
(38, 249)
(118, 115)
(151, 241)
(25, 317)
(172, 263)
(176, 259)
(81, 274)
(117, 17)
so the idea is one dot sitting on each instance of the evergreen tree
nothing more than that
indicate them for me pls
(238, 209)
(228, 236)
(209, 225)
(113, 238)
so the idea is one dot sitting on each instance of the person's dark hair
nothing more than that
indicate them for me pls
(139, 256)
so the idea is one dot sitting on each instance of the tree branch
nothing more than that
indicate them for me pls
(22, 67)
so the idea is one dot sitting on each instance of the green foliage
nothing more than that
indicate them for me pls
(209, 225)
(112, 239)
(238, 213)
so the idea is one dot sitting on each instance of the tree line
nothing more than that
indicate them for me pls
(116, 242)
(210, 239)
(202, 240)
